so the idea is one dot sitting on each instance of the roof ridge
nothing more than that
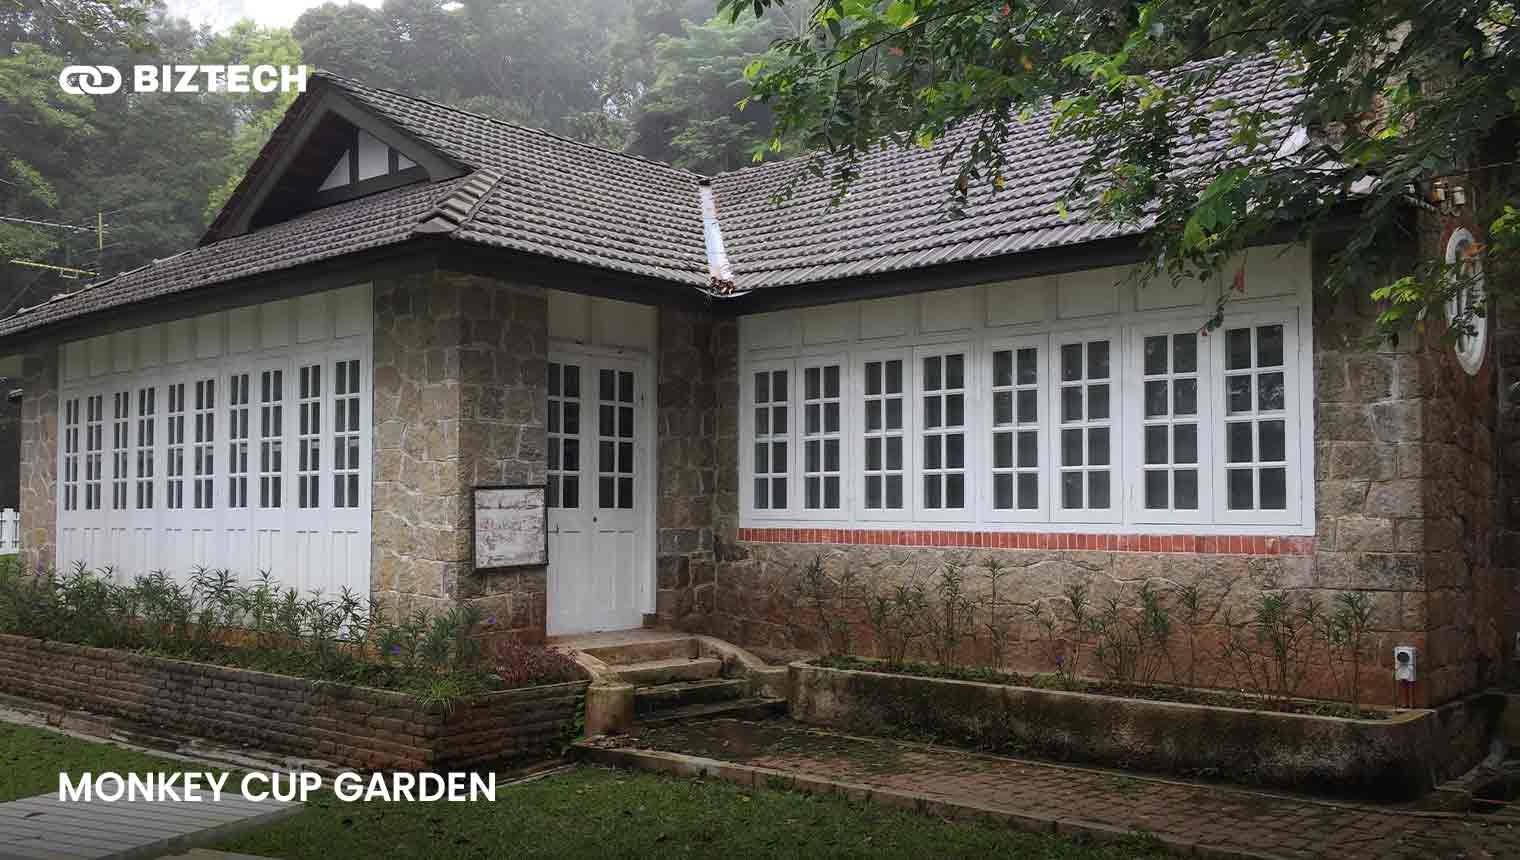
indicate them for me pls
(349, 83)
(456, 208)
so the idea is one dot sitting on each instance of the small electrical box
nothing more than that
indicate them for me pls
(1403, 663)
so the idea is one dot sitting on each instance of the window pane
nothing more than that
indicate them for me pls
(873, 455)
(894, 453)
(812, 418)
(831, 381)
(1238, 442)
(1155, 398)
(762, 422)
(1002, 451)
(931, 452)
(778, 492)
(1029, 450)
(1274, 489)
(812, 455)
(931, 491)
(1269, 346)
(1155, 355)
(813, 490)
(873, 378)
(1071, 362)
(1028, 366)
(955, 451)
(894, 414)
(1156, 445)
(955, 371)
(894, 376)
(1097, 360)
(1097, 490)
(1187, 490)
(932, 380)
(1071, 490)
(831, 417)
(1002, 408)
(1156, 490)
(1185, 397)
(1240, 490)
(778, 386)
(831, 455)
(1238, 393)
(831, 492)
(1097, 446)
(1071, 404)
(1273, 441)
(873, 415)
(1029, 410)
(1071, 447)
(955, 491)
(813, 383)
(955, 410)
(1185, 443)
(873, 491)
(1029, 486)
(894, 492)
(1185, 353)
(1097, 402)
(1002, 492)
(1270, 391)
(1237, 348)
(932, 414)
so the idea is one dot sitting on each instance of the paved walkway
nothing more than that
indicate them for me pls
(44, 826)
(1190, 817)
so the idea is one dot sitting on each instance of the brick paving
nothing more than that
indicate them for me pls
(1232, 822)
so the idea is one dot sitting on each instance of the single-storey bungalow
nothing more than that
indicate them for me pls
(404, 301)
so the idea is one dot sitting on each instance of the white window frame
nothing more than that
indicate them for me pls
(1297, 376)
(909, 434)
(984, 450)
(1114, 422)
(970, 418)
(799, 419)
(747, 420)
(1134, 380)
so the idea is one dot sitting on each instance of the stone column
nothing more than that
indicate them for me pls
(39, 456)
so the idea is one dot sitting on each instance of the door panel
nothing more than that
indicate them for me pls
(599, 551)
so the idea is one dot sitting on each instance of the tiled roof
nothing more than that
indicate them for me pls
(538, 193)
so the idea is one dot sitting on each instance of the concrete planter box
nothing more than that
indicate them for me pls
(1397, 758)
(357, 727)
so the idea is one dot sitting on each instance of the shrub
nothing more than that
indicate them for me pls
(520, 665)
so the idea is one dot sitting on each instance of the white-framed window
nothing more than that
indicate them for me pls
(346, 392)
(271, 438)
(94, 439)
(1470, 301)
(822, 435)
(615, 439)
(121, 411)
(1257, 440)
(174, 451)
(1170, 478)
(1015, 370)
(309, 437)
(238, 408)
(564, 436)
(771, 432)
(1101, 422)
(1083, 407)
(71, 454)
(147, 419)
(943, 374)
(204, 493)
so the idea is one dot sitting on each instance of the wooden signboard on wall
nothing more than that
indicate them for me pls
(511, 527)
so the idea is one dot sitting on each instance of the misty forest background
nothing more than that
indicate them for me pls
(657, 78)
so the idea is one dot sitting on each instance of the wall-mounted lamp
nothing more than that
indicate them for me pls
(1447, 198)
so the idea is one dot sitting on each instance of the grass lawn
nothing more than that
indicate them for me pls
(584, 813)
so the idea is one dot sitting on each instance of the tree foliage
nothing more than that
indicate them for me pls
(1394, 95)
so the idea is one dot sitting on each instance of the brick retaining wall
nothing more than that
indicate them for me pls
(351, 726)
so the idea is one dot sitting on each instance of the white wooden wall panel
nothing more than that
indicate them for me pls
(330, 549)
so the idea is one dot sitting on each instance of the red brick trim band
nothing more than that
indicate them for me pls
(1196, 544)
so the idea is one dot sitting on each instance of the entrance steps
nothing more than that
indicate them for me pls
(647, 676)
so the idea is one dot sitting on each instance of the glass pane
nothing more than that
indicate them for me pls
(1097, 360)
(762, 456)
(1029, 409)
(931, 491)
(831, 492)
(955, 410)
(1185, 397)
(873, 378)
(894, 376)
(778, 456)
(932, 414)
(778, 386)
(609, 389)
(894, 492)
(1071, 447)
(1238, 393)
(1002, 451)
(572, 455)
(955, 371)
(1185, 443)
(778, 492)
(1187, 489)
(1156, 490)
(1002, 408)
(955, 451)
(812, 456)
(1274, 489)
(1029, 492)
(1156, 445)
(778, 419)
(553, 392)
(1269, 346)
(1097, 446)
(570, 495)
(1240, 490)
(1238, 442)
(606, 427)
(831, 381)
(1097, 490)
(572, 382)
(762, 421)
(894, 414)
(873, 455)
(1029, 450)
(1155, 398)
(1184, 353)
(1071, 403)
(1273, 441)
(1002, 368)
(606, 498)
(812, 418)
(873, 491)
(813, 492)
(1071, 490)
(813, 383)
(894, 453)
(1155, 355)
(1237, 348)
(932, 373)
(1028, 366)
(955, 491)
(932, 452)
(831, 455)
(873, 415)
(1002, 492)
(1097, 402)
(831, 418)
(1071, 362)
(1269, 390)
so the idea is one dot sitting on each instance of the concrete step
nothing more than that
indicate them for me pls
(666, 671)
(739, 709)
(662, 697)
(644, 650)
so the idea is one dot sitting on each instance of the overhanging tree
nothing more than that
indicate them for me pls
(1395, 94)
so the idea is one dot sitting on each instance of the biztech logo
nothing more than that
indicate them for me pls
(105, 80)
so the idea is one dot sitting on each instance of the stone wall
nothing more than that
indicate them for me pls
(1401, 453)
(691, 358)
(39, 456)
(459, 401)
(349, 726)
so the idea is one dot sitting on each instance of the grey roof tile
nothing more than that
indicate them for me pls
(537, 193)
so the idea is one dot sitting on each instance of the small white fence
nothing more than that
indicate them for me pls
(10, 532)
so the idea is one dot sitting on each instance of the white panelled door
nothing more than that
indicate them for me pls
(600, 555)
